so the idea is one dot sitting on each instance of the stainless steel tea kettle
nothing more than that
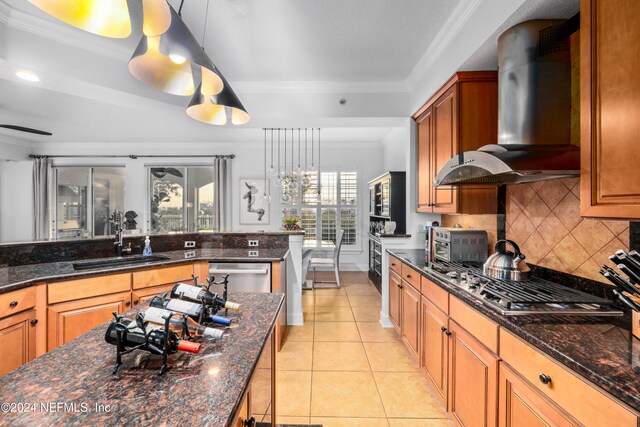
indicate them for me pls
(506, 265)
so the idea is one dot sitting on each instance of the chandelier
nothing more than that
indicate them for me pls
(167, 58)
(297, 158)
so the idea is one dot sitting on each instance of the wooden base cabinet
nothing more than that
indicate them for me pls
(395, 292)
(18, 339)
(434, 347)
(70, 319)
(473, 380)
(522, 406)
(410, 300)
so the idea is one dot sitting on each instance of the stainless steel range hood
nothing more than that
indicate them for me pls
(534, 108)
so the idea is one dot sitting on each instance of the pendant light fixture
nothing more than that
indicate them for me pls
(290, 176)
(108, 18)
(214, 95)
(167, 57)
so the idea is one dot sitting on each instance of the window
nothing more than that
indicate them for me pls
(181, 198)
(85, 197)
(335, 208)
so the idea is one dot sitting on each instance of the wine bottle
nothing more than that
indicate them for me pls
(134, 336)
(197, 294)
(191, 309)
(157, 316)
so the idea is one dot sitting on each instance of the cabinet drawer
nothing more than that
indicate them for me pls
(162, 276)
(411, 276)
(89, 287)
(17, 301)
(482, 328)
(438, 296)
(395, 264)
(587, 404)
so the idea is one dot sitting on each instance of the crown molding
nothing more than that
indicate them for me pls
(452, 26)
(295, 87)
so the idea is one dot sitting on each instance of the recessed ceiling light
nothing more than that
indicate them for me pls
(28, 76)
(177, 59)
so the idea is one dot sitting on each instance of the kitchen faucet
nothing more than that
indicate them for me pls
(116, 218)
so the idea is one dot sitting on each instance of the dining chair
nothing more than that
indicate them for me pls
(328, 262)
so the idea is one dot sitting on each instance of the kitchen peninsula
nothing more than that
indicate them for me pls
(47, 301)
(74, 384)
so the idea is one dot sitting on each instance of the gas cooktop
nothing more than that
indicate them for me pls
(533, 296)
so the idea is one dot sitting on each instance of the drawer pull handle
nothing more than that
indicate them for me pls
(135, 302)
(442, 328)
(127, 303)
(393, 264)
(408, 276)
(401, 286)
(544, 378)
(448, 333)
(251, 422)
(13, 304)
(34, 322)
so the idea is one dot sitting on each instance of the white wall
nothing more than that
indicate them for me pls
(16, 203)
(399, 154)
(365, 158)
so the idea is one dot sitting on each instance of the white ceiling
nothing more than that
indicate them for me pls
(290, 61)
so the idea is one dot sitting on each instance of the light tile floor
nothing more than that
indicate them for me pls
(342, 368)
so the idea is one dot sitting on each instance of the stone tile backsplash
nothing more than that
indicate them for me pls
(543, 218)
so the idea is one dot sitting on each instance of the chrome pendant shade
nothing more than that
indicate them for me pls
(108, 18)
(167, 58)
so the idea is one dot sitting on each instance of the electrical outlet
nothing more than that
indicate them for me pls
(190, 244)
(253, 253)
(253, 243)
(190, 254)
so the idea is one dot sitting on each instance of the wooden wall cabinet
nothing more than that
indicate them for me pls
(461, 116)
(473, 380)
(18, 339)
(609, 108)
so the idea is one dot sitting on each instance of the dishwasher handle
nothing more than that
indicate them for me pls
(238, 271)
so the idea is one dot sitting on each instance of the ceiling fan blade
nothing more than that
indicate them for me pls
(174, 172)
(29, 130)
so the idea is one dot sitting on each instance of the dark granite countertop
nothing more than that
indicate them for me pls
(12, 278)
(594, 347)
(198, 389)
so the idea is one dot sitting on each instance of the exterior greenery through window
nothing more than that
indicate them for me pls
(321, 215)
(181, 198)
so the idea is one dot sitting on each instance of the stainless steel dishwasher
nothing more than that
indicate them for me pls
(243, 277)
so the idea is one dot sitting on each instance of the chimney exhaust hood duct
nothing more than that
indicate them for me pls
(534, 107)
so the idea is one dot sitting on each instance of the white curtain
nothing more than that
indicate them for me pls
(222, 194)
(41, 200)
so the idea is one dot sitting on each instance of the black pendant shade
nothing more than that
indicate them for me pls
(168, 56)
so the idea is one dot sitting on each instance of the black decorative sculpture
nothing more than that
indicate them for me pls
(130, 223)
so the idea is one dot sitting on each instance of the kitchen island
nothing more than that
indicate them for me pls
(74, 384)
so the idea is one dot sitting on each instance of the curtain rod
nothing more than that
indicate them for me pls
(130, 156)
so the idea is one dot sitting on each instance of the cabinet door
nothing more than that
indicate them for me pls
(522, 406)
(473, 380)
(18, 339)
(444, 147)
(385, 197)
(434, 349)
(70, 319)
(410, 310)
(609, 100)
(425, 176)
(394, 300)
(242, 418)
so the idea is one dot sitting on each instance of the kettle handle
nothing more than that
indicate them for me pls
(516, 248)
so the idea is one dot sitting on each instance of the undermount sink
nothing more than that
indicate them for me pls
(117, 262)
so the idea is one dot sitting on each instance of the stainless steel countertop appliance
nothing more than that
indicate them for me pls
(528, 297)
(460, 244)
